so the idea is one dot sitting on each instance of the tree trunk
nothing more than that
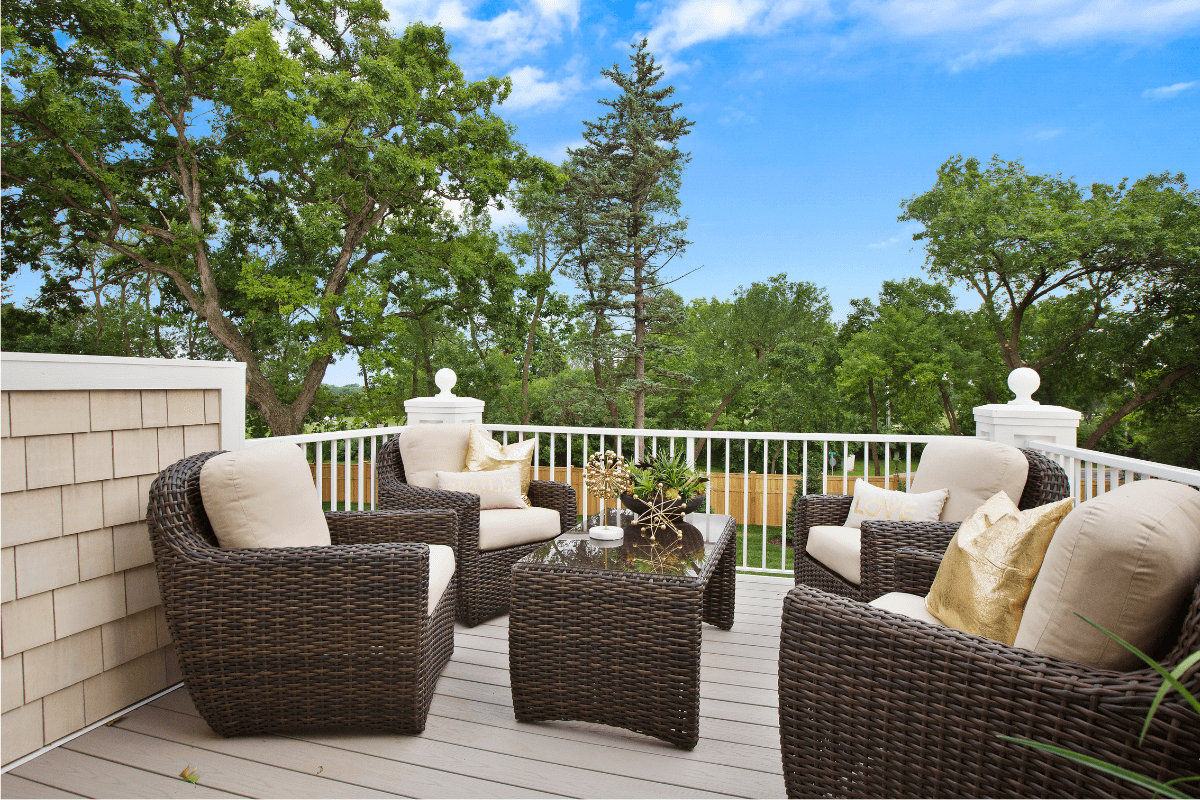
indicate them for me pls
(639, 346)
(1134, 403)
(949, 409)
(874, 424)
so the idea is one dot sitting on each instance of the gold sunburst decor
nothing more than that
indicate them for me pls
(605, 476)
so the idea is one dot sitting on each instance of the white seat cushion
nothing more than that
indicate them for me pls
(429, 449)
(973, 470)
(837, 548)
(441, 570)
(263, 496)
(509, 527)
(908, 605)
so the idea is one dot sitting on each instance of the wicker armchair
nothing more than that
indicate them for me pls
(484, 576)
(874, 704)
(313, 637)
(1046, 483)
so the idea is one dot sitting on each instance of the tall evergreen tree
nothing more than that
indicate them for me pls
(627, 177)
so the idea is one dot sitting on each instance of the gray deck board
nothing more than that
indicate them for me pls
(472, 745)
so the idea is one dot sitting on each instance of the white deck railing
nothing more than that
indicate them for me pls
(752, 477)
(752, 474)
(1092, 473)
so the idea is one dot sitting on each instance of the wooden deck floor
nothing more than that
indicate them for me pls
(472, 746)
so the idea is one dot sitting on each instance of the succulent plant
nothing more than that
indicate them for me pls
(666, 476)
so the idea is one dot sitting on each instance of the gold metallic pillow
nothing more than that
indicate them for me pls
(988, 570)
(485, 454)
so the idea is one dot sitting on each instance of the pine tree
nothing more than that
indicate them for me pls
(627, 178)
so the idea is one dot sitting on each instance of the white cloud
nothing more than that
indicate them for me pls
(525, 28)
(530, 90)
(1046, 134)
(888, 242)
(1167, 92)
(692, 21)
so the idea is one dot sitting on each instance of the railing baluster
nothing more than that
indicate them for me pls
(784, 507)
(708, 472)
(746, 503)
(765, 487)
(319, 445)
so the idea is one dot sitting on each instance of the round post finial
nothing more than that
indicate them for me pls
(1024, 382)
(445, 378)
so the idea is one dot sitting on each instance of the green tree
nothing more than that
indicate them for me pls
(1016, 238)
(624, 186)
(262, 180)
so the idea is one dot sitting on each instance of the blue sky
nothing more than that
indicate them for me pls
(815, 119)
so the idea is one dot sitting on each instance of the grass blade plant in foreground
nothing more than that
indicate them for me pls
(1171, 680)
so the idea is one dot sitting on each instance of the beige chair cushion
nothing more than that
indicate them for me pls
(1128, 560)
(441, 570)
(429, 449)
(485, 454)
(498, 488)
(263, 496)
(876, 503)
(908, 605)
(973, 470)
(509, 527)
(837, 548)
(989, 567)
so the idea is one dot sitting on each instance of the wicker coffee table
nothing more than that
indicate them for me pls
(609, 632)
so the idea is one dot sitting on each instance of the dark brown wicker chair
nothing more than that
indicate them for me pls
(311, 637)
(1046, 483)
(484, 576)
(874, 704)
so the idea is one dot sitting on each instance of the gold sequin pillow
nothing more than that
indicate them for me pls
(485, 454)
(989, 568)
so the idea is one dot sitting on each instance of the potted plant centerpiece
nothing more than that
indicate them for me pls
(663, 489)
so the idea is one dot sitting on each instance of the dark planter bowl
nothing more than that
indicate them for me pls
(673, 508)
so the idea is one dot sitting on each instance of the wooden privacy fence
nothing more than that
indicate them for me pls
(329, 487)
(739, 485)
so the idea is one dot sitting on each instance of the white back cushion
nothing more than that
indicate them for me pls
(263, 496)
(429, 449)
(973, 470)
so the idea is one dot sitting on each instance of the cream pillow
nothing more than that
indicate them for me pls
(263, 496)
(498, 488)
(989, 568)
(429, 449)
(973, 470)
(874, 503)
(1128, 560)
(485, 454)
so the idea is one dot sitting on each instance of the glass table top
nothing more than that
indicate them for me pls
(686, 554)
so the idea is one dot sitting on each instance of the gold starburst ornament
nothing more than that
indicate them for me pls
(606, 476)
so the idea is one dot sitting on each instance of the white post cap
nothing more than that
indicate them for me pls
(445, 378)
(1024, 382)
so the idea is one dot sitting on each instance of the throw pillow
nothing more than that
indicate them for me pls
(263, 496)
(989, 568)
(497, 488)
(484, 453)
(872, 502)
(1129, 560)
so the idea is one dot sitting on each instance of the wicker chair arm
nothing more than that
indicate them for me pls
(396, 496)
(968, 688)
(915, 570)
(818, 509)
(431, 526)
(881, 540)
(558, 496)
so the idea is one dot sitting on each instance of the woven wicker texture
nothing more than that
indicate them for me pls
(616, 648)
(1046, 483)
(294, 638)
(873, 704)
(484, 577)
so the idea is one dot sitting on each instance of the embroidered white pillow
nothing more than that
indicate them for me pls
(874, 503)
(497, 488)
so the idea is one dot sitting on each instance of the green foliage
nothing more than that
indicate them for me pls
(666, 476)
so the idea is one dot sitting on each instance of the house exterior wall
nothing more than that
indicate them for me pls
(82, 629)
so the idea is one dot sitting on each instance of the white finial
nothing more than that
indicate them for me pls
(1024, 382)
(445, 380)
